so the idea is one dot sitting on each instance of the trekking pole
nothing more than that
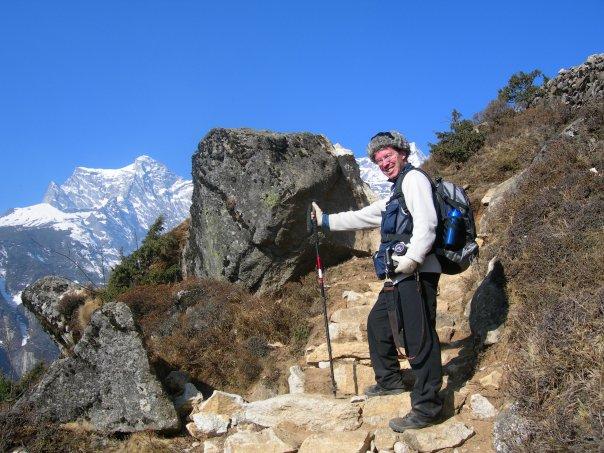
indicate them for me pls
(319, 265)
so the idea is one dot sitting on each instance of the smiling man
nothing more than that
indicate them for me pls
(408, 224)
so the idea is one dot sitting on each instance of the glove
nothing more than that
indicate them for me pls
(318, 213)
(404, 265)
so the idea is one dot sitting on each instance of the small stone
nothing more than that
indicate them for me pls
(482, 407)
(358, 398)
(296, 379)
(189, 400)
(384, 439)
(365, 377)
(352, 441)
(402, 447)
(222, 403)
(491, 380)
(492, 337)
(323, 365)
(211, 424)
(347, 331)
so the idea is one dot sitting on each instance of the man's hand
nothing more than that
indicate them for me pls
(404, 265)
(317, 213)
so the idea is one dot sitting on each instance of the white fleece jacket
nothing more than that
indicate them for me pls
(418, 196)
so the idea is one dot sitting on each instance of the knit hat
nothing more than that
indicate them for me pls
(383, 140)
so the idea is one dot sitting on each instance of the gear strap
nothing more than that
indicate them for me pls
(389, 290)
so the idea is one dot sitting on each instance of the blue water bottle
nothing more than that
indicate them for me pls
(453, 226)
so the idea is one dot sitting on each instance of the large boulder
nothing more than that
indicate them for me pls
(251, 193)
(107, 383)
(46, 299)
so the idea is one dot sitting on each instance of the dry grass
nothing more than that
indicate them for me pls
(219, 333)
(550, 238)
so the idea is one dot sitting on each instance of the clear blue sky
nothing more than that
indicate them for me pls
(97, 83)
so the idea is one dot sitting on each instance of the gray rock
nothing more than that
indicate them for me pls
(251, 194)
(511, 431)
(481, 407)
(489, 305)
(107, 382)
(43, 299)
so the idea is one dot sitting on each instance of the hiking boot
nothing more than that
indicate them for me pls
(410, 421)
(378, 390)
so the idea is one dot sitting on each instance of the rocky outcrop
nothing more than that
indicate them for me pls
(251, 193)
(43, 298)
(576, 85)
(107, 382)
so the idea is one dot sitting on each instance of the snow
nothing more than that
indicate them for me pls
(339, 150)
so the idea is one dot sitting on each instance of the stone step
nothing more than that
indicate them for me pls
(350, 349)
(355, 314)
(342, 332)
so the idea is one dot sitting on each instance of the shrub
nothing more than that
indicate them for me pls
(459, 143)
(157, 261)
(521, 89)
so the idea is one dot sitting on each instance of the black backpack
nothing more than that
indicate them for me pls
(448, 196)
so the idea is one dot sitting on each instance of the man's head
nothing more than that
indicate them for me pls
(389, 150)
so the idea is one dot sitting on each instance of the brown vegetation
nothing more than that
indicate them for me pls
(221, 334)
(550, 238)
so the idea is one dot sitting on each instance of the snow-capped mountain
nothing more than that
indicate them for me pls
(371, 174)
(91, 219)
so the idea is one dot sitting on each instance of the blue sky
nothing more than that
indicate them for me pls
(95, 84)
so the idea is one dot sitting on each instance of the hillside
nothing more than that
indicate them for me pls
(522, 331)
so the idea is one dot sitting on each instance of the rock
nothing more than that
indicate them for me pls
(351, 296)
(365, 377)
(344, 377)
(351, 349)
(511, 430)
(489, 305)
(189, 400)
(482, 407)
(43, 298)
(313, 413)
(210, 424)
(356, 315)
(107, 382)
(492, 337)
(213, 446)
(402, 447)
(449, 434)
(296, 379)
(265, 441)
(318, 380)
(222, 403)
(347, 331)
(350, 441)
(378, 410)
(506, 189)
(384, 439)
(486, 199)
(492, 380)
(250, 198)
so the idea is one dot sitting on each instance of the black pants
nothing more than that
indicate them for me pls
(417, 314)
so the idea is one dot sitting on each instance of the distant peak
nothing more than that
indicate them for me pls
(145, 158)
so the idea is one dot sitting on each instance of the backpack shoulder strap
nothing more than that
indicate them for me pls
(398, 185)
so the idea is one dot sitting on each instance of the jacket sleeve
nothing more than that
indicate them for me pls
(417, 191)
(367, 217)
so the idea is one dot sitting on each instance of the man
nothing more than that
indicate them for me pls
(415, 281)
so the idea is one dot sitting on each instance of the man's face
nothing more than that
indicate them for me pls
(390, 161)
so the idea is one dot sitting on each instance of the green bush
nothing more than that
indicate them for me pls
(155, 262)
(459, 143)
(521, 89)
